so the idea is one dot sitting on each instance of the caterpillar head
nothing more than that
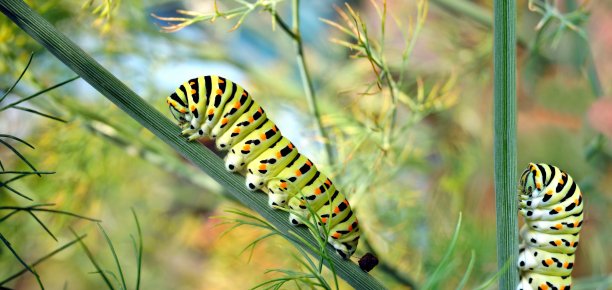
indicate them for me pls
(531, 179)
(178, 107)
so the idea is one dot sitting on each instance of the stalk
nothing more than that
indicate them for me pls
(506, 198)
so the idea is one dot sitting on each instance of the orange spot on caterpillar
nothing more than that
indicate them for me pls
(290, 145)
(298, 173)
(576, 201)
(345, 202)
(244, 93)
(251, 120)
(538, 186)
(336, 235)
(283, 185)
(350, 228)
(559, 226)
(317, 191)
(576, 223)
(260, 110)
(566, 265)
(263, 136)
(543, 287)
(336, 210)
(561, 181)
(278, 155)
(219, 92)
(211, 111)
(324, 220)
(549, 192)
(224, 121)
(548, 262)
(308, 163)
(558, 242)
(221, 81)
(191, 83)
(193, 92)
(237, 105)
(558, 209)
(246, 147)
(328, 182)
(274, 128)
(237, 130)
(262, 167)
(192, 108)
(183, 111)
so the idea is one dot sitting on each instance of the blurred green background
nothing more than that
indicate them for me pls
(408, 181)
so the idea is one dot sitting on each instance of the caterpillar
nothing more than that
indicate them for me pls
(551, 203)
(215, 107)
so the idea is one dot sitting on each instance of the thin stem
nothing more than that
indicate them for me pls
(42, 259)
(307, 81)
(506, 199)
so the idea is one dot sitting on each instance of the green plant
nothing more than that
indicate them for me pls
(506, 199)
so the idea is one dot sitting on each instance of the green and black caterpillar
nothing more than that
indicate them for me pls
(551, 203)
(215, 107)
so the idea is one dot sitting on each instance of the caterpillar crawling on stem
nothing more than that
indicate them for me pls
(215, 107)
(551, 203)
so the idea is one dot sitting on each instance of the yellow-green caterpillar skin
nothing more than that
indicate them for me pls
(551, 203)
(212, 106)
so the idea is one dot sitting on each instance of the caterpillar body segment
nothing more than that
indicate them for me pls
(551, 203)
(544, 262)
(539, 281)
(290, 180)
(252, 118)
(252, 146)
(215, 107)
(270, 163)
(554, 243)
(569, 225)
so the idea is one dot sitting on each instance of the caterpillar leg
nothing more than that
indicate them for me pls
(314, 194)
(277, 199)
(344, 237)
(287, 183)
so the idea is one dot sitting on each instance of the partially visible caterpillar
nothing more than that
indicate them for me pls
(216, 107)
(551, 203)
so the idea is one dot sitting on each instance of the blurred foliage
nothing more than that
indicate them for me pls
(405, 91)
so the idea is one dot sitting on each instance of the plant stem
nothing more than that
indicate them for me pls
(117, 92)
(506, 198)
(307, 81)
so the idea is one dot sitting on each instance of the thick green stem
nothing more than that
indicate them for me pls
(506, 198)
(117, 92)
